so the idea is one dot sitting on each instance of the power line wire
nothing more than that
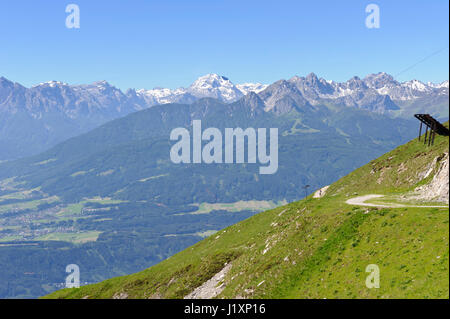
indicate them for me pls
(420, 61)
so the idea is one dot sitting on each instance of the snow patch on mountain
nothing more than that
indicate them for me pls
(442, 85)
(246, 88)
(210, 85)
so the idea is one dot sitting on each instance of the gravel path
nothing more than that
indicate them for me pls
(360, 201)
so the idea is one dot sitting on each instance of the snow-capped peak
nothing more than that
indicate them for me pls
(51, 84)
(380, 80)
(209, 85)
(416, 85)
(211, 81)
(441, 85)
(215, 86)
(385, 84)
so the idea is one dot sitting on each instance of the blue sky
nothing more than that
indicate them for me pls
(143, 44)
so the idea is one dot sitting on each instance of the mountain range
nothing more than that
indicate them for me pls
(339, 243)
(112, 201)
(34, 119)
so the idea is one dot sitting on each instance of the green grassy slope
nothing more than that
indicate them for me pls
(317, 247)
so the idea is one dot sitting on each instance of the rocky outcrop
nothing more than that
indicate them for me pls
(438, 188)
(122, 295)
(212, 287)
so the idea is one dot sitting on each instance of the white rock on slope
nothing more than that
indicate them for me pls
(438, 188)
(212, 287)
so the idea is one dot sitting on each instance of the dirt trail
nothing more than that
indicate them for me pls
(360, 201)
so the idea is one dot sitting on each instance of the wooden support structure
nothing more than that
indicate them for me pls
(420, 130)
(434, 126)
(434, 133)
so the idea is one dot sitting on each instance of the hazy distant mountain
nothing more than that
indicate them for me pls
(34, 119)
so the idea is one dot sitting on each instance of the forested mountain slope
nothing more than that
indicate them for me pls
(320, 247)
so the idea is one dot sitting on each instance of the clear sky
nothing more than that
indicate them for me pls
(169, 43)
